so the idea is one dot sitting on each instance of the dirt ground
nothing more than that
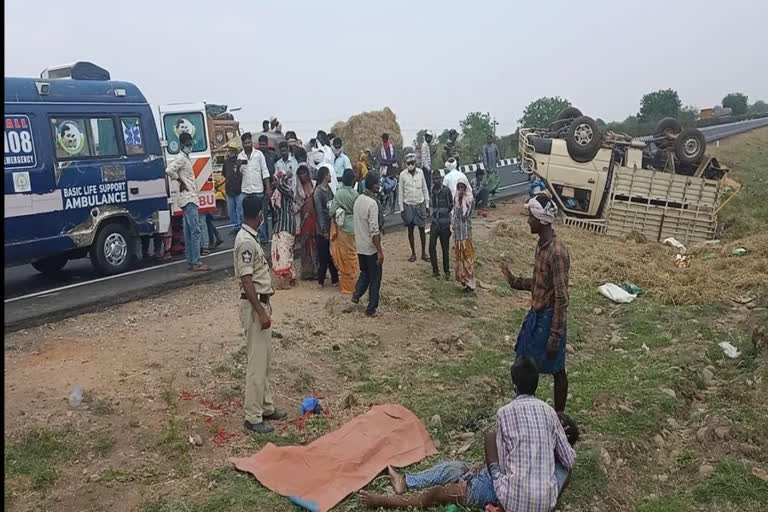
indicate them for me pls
(125, 358)
(163, 380)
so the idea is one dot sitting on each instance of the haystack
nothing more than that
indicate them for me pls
(363, 131)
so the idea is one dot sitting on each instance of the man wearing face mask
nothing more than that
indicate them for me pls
(341, 161)
(233, 181)
(180, 170)
(256, 178)
(413, 199)
(370, 254)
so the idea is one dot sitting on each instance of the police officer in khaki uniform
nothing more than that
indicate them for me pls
(256, 285)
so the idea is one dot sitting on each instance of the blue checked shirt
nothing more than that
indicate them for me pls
(528, 436)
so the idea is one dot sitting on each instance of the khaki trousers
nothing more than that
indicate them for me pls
(258, 394)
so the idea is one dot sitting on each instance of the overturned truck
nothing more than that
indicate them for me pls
(660, 186)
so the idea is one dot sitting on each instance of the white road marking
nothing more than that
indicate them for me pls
(53, 291)
(514, 185)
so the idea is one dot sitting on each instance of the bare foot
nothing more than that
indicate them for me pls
(369, 500)
(379, 500)
(398, 480)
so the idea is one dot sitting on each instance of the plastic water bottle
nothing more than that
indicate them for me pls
(76, 396)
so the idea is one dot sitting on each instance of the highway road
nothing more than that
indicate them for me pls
(32, 299)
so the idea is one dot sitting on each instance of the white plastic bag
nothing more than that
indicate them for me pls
(729, 350)
(676, 244)
(616, 293)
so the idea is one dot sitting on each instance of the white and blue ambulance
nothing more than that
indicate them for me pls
(84, 168)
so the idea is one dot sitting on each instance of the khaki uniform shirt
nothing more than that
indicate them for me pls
(250, 260)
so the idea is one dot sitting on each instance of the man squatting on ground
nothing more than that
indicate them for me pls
(528, 460)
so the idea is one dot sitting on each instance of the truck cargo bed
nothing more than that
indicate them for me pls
(660, 205)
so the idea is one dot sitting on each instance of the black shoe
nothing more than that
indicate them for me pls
(447, 277)
(355, 300)
(436, 275)
(277, 415)
(258, 428)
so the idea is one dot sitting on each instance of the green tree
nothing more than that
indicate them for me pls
(542, 112)
(659, 104)
(737, 102)
(443, 137)
(508, 144)
(475, 129)
(632, 126)
(758, 107)
(419, 137)
(688, 115)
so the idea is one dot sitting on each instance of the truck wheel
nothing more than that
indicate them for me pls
(583, 139)
(112, 250)
(51, 265)
(669, 126)
(690, 146)
(569, 113)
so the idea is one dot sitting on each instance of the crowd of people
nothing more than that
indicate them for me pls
(311, 231)
(323, 215)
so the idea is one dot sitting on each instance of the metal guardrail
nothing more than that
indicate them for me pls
(721, 131)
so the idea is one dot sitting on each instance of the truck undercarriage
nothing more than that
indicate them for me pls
(660, 186)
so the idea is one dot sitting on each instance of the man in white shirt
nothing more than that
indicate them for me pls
(255, 176)
(323, 145)
(341, 161)
(180, 170)
(452, 175)
(286, 163)
(413, 199)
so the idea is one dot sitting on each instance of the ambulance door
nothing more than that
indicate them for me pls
(189, 117)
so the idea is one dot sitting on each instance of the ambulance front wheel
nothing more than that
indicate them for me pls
(113, 248)
(51, 265)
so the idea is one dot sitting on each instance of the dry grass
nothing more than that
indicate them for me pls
(714, 273)
(364, 130)
(747, 156)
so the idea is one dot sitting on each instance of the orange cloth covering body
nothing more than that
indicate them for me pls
(321, 474)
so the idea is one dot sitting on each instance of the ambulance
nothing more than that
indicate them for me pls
(84, 168)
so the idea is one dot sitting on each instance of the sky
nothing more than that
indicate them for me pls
(430, 62)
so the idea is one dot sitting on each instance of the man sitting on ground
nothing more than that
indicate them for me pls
(534, 468)
(480, 190)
